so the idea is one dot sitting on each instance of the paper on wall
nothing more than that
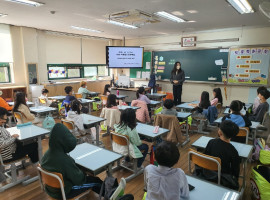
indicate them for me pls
(147, 65)
(138, 74)
(219, 62)
(145, 74)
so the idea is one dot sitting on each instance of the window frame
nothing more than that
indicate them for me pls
(73, 66)
(2, 65)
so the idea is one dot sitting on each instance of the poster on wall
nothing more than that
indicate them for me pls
(249, 65)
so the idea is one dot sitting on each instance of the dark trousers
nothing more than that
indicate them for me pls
(22, 150)
(144, 149)
(90, 181)
(177, 93)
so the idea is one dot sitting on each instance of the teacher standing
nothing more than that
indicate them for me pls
(177, 79)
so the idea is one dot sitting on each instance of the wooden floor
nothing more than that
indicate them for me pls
(135, 186)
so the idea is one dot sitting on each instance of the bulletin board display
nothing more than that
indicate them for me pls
(249, 65)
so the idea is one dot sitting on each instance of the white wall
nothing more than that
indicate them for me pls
(192, 91)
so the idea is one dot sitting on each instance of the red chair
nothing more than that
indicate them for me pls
(169, 95)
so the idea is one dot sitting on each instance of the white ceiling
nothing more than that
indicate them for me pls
(212, 14)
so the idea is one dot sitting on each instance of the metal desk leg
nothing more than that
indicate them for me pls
(89, 107)
(97, 134)
(40, 154)
(187, 135)
(110, 170)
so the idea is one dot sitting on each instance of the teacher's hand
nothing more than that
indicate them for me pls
(175, 82)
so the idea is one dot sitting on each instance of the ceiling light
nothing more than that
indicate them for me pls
(192, 11)
(169, 16)
(27, 2)
(178, 13)
(85, 29)
(3, 15)
(122, 24)
(242, 6)
(191, 21)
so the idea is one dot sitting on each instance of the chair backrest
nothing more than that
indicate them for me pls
(52, 179)
(120, 190)
(18, 116)
(219, 106)
(103, 97)
(243, 132)
(204, 161)
(266, 115)
(169, 95)
(42, 101)
(69, 124)
(120, 139)
(77, 95)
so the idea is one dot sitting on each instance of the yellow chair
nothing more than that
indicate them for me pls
(78, 96)
(42, 101)
(204, 161)
(219, 107)
(19, 117)
(123, 140)
(69, 124)
(243, 132)
(55, 180)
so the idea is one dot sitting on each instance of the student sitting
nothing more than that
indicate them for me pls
(69, 91)
(257, 99)
(74, 115)
(222, 148)
(262, 108)
(141, 95)
(56, 159)
(3, 103)
(168, 108)
(217, 97)
(107, 90)
(11, 148)
(127, 126)
(165, 182)
(235, 116)
(202, 107)
(83, 90)
(20, 106)
(111, 102)
(44, 93)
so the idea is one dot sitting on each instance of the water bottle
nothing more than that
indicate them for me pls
(117, 92)
(36, 103)
(152, 91)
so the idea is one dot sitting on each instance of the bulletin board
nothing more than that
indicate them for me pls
(249, 65)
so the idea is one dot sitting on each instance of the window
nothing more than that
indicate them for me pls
(4, 73)
(90, 71)
(68, 71)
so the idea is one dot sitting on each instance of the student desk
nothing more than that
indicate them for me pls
(186, 107)
(28, 134)
(93, 94)
(93, 158)
(248, 106)
(210, 191)
(122, 97)
(244, 151)
(27, 103)
(184, 116)
(92, 121)
(147, 131)
(156, 96)
(58, 98)
(154, 103)
(126, 107)
(42, 109)
(130, 93)
(253, 126)
(86, 102)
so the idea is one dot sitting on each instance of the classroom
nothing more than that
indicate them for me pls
(171, 98)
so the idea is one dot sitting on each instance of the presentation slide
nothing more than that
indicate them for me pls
(125, 57)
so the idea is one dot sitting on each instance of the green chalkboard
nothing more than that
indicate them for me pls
(199, 65)
(146, 58)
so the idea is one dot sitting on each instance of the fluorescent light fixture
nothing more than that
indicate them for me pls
(169, 16)
(178, 13)
(3, 15)
(85, 29)
(121, 24)
(192, 11)
(242, 6)
(27, 2)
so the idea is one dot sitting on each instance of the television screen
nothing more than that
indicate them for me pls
(124, 57)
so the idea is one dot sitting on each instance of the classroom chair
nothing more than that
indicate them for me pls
(112, 117)
(13, 172)
(103, 99)
(219, 107)
(78, 96)
(42, 101)
(204, 161)
(120, 144)
(19, 117)
(55, 180)
(172, 123)
(162, 92)
(169, 95)
(263, 130)
(243, 132)
(120, 190)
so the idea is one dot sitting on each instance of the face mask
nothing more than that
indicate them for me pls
(85, 86)
(178, 67)
(109, 89)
